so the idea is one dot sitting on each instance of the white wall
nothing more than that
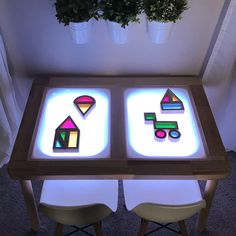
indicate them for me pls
(37, 44)
(220, 79)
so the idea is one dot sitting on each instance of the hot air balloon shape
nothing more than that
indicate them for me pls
(84, 103)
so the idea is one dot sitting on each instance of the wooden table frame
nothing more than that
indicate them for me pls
(212, 168)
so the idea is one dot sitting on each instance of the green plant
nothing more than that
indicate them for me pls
(120, 11)
(76, 10)
(164, 10)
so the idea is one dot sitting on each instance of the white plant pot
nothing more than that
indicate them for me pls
(118, 33)
(80, 31)
(159, 32)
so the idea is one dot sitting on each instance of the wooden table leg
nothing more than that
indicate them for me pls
(27, 190)
(209, 193)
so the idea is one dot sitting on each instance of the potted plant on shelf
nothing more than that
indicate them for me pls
(78, 15)
(119, 14)
(161, 14)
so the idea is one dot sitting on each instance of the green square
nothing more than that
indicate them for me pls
(150, 116)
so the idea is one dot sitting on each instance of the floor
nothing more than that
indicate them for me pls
(14, 220)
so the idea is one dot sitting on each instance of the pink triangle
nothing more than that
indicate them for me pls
(165, 99)
(68, 124)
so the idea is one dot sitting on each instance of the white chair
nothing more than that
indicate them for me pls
(79, 202)
(163, 201)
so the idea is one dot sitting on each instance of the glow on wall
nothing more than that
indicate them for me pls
(66, 136)
(154, 132)
(60, 114)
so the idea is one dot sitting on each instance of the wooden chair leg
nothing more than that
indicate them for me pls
(58, 229)
(183, 229)
(143, 227)
(98, 228)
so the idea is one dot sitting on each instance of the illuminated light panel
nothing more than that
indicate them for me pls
(94, 137)
(84, 103)
(66, 136)
(171, 102)
(141, 138)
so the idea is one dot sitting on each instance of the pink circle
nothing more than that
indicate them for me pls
(160, 134)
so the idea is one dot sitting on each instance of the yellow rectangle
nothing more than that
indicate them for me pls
(73, 139)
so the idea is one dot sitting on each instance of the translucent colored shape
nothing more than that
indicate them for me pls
(150, 116)
(58, 145)
(84, 107)
(68, 124)
(73, 138)
(174, 134)
(85, 99)
(63, 131)
(175, 99)
(63, 135)
(84, 103)
(166, 125)
(165, 99)
(160, 133)
(172, 106)
(171, 102)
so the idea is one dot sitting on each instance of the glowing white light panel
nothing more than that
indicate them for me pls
(94, 127)
(141, 141)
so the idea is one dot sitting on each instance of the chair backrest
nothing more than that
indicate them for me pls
(163, 200)
(165, 213)
(79, 202)
(70, 193)
(79, 216)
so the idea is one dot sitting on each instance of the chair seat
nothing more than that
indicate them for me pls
(79, 202)
(163, 200)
